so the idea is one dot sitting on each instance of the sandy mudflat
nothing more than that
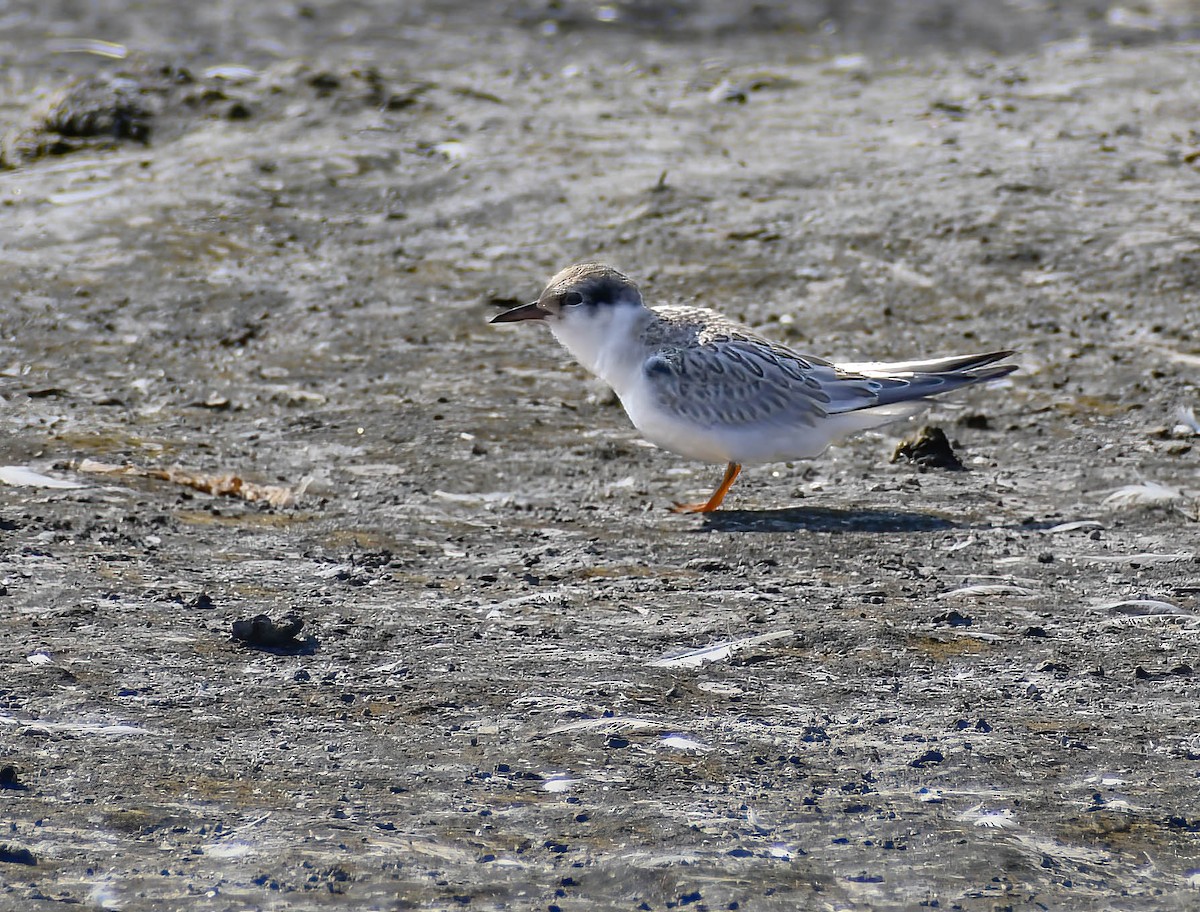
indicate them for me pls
(274, 266)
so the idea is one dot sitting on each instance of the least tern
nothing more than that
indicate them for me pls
(705, 387)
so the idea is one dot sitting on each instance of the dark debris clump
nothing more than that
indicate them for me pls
(96, 110)
(930, 449)
(261, 632)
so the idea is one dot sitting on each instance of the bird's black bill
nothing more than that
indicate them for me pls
(524, 312)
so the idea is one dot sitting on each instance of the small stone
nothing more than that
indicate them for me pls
(324, 82)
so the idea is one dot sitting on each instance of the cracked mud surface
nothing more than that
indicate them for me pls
(859, 686)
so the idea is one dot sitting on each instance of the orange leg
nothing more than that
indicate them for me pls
(731, 474)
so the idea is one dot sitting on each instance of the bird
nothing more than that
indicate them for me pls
(708, 388)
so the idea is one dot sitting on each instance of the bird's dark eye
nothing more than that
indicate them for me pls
(572, 298)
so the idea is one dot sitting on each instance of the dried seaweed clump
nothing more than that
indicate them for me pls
(94, 111)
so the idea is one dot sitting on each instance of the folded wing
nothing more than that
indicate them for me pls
(743, 382)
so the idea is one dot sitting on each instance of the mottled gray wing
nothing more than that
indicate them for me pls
(742, 382)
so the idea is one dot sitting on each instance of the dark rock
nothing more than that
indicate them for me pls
(928, 758)
(10, 854)
(953, 618)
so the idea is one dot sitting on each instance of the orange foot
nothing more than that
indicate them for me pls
(731, 474)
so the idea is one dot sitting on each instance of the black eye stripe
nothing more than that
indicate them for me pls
(599, 294)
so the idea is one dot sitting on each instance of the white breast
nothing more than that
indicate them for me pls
(607, 341)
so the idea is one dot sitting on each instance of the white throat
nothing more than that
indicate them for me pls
(607, 341)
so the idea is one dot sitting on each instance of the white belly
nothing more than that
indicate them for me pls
(723, 443)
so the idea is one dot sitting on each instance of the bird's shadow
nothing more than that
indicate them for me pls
(823, 519)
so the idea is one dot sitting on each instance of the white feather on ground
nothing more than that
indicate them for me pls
(1188, 423)
(1148, 493)
(1074, 526)
(1142, 558)
(715, 652)
(985, 590)
(23, 476)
